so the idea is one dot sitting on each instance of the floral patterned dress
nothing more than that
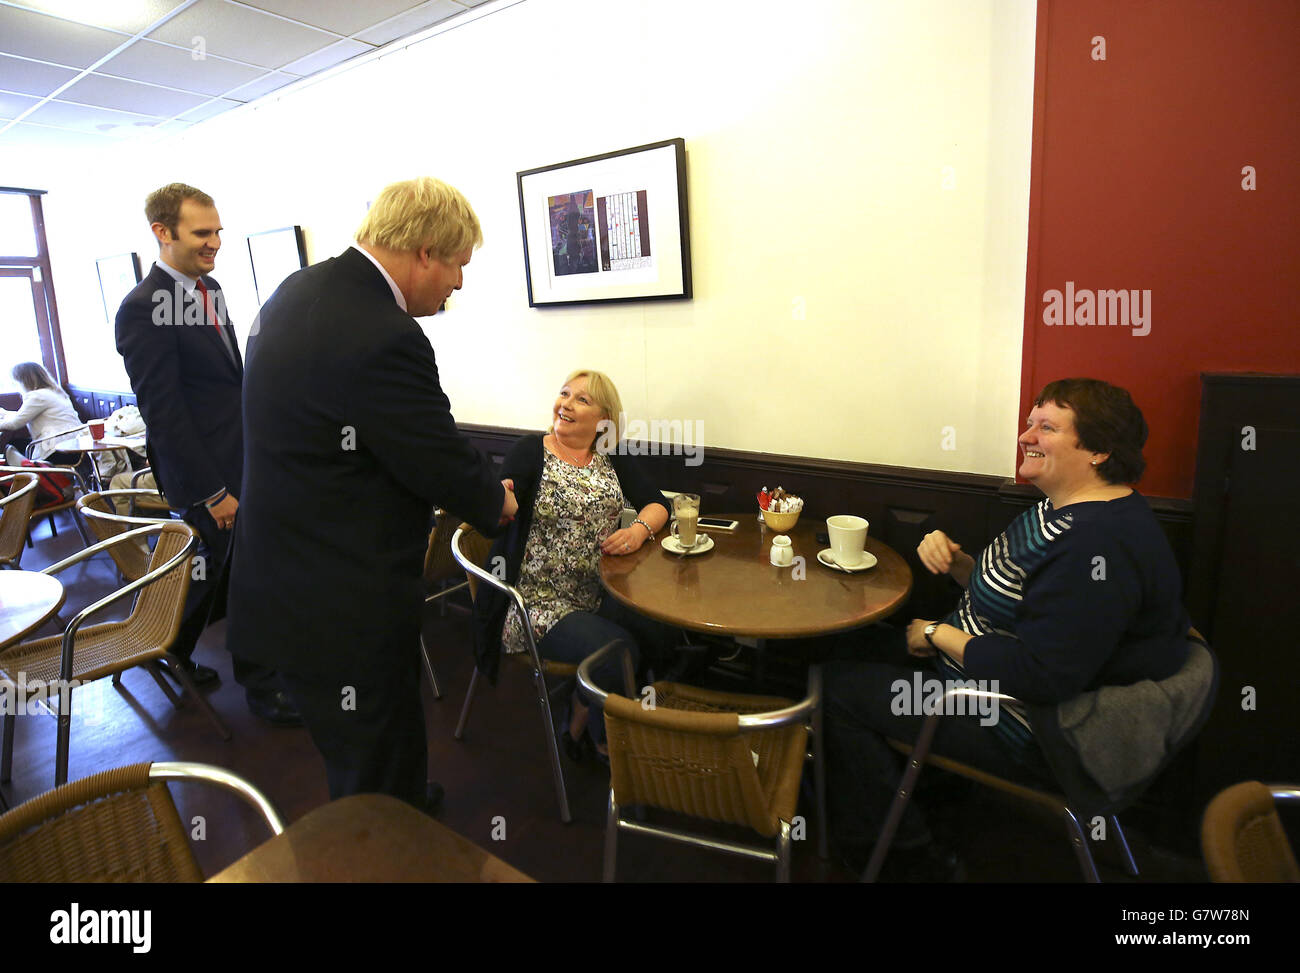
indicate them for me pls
(575, 510)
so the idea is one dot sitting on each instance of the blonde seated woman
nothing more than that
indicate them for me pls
(46, 410)
(571, 497)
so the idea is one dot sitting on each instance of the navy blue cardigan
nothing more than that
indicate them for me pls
(524, 464)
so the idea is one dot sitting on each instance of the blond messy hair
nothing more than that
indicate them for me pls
(421, 213)
(602, 391)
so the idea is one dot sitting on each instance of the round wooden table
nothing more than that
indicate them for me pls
(28, 599)
(735, 590)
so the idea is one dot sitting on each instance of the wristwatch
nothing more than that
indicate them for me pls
(929, 633)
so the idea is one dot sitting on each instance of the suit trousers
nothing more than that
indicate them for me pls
(206, 601)
(369, 726)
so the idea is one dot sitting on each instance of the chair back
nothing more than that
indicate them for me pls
(159, 606)
(116, 826)
(469, 545)
(17, 509)
(688, 753)
(1242, 837)
(439, 565)
(131, 559)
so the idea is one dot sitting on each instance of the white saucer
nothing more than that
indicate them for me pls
(703, 542)
(868, 561)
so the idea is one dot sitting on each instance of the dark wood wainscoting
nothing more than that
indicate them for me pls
(1245, 573)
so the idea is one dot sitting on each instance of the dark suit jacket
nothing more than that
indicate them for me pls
(349, 442)
(187, 386)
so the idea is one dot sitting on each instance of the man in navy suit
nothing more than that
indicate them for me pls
(350, 443)
(185, 368)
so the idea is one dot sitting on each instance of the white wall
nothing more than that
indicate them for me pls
(848, 304)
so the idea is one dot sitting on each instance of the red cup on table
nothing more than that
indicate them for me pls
(96, 429)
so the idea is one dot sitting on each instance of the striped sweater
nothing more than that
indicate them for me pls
(1064, 601)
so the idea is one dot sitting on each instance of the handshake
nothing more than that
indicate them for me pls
(510, 506)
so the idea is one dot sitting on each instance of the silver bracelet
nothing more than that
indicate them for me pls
(646, 526)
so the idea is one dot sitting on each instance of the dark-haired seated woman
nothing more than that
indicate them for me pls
(1081, 591)
(571, 498)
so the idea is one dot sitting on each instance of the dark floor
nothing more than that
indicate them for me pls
(499, 773)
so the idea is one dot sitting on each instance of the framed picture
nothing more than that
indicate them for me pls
(275, 254)
(118, 276)
(610, 227)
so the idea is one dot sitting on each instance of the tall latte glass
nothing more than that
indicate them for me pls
(686, 511)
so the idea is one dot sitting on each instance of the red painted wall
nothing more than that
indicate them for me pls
(1137, 184)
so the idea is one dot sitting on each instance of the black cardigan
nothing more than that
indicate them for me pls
(524, 464)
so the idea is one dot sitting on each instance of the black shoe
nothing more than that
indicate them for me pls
(579, 750)
(274, 706)
(199, 675)
(433, 795)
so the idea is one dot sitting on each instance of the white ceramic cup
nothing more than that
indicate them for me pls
(848, 536)
(782, 554)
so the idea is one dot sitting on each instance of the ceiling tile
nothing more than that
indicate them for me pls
(11, 106)
(215, 107)
(40, 138)
(341, 16)
(408, 23)
(131, 16)
(242, 33)
(263, 85)
(86, 119)
(31, 34)
(147, 61)
(328, 57)
(32, 77)
(130, 96)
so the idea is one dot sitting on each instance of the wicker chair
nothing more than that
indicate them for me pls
(15, 512)
(439, 568)
(736, 759)
(116, 826)
(1083, 799)
(81, 655)
(78, 487)
(470, 549)
(151, 502)
(1242, 837)
(99, 510)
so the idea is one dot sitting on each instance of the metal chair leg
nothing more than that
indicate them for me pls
(464, 710)
(1081, 851)
(611, 839)
(819, 782)
(153, 670)
(1130, 865)
(7, 748)
(906, 787)
(783, 854)
(194, 694)
(63, 709)
(553, 746)
(429, 670)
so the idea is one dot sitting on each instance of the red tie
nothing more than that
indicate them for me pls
(207, 308)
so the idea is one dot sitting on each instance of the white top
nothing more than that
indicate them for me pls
(45, 412)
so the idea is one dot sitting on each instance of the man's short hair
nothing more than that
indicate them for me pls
(164, 205)
(419, 213)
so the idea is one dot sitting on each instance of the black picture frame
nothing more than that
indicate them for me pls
(607, 228)
(118, 276)
(280, 252)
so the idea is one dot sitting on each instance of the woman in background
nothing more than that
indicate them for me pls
(46, 411)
